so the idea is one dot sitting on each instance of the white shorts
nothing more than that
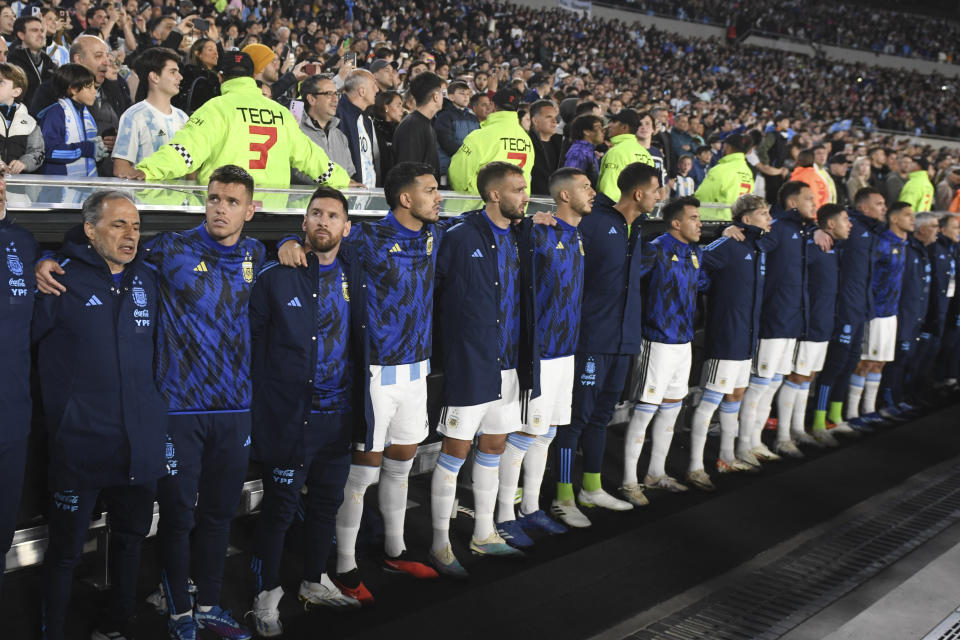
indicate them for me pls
(500, 416)
(774, 355)
(552, 406)
(664, 370)
(399, 397)
(723, 376)
(808, 357)
(880, 340)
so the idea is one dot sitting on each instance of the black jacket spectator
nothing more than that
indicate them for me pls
(419, 141)
(38, 70)
(547, 159)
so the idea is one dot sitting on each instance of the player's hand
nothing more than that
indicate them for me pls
(734, 232)
(542, 217)
(291, 254)
(16, 166)
(46, 283)
(823, 240)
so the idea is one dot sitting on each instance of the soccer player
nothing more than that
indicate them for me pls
(308, 372)
(911, 313)
(610, 315)
(783, 317)
(854, 302)
(19, 254)
(673, 275)
(485, 327)
(557, 253)
(811, 350)
(734, 299)
(880, 334)
(107, 420)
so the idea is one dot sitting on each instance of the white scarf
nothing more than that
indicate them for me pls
(72, 123)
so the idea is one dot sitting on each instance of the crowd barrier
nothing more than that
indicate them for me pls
(50, 205)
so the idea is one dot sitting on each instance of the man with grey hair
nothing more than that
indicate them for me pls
(321, 124)
(106, 418)
(359, 94)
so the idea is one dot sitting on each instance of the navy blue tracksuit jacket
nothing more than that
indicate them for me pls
(855, 293)
(785, 303)
(943, 271)
(107, 421)
(17, 286)
(915, 293)
(735, 297)
(823, 276)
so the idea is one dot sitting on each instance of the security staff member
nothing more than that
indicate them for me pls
(107, 421)
(500, 138)
(729, 179)
(622, 131)
(241, 126)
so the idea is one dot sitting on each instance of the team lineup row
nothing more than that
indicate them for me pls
(298, 365)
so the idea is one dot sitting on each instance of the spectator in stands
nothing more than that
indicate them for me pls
(321, 124)
(29, 54)
(918, 190)
(359, 94)
(416, 130)
(682, 183)
(7, 20)
(820, 158)
(547, 145)
(729, 179)
(807, 173)
(645, 130)
(947, 189)
(661, 136)
(878, 167)
(773, 154)
(587, 133)
(682, 140)
(482, 105)
(454, 122)
(107, 419)
(21, 142)
(387, 113)
(200, 80)
(837, 167)
(701, 164)
(859, 177)
(385, 74)
(56, 42)
(625, 150)
(72, 146)
(152, 122)
(893, 183)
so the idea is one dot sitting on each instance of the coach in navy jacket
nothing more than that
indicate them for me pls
(468, 313)
(736, 299)
(943, 270)
(285, 359)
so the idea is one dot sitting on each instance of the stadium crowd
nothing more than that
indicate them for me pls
(841, 24)
(166, 366)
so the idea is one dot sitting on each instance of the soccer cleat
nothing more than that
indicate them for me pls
(325, 594)
(540, 521)
(184, 628)
(749, 458)
(447, 564)
(701, 480)
(266, 613)
(495, 546)
(601, 498)
(893, 414)
(858, 427)
(220, 623)
(633, 493)
(825, 438)
(762, 453)
(664, 482)
(402, 564)
(788, 449)
(351, 585)
(514, 535)
(805, 439)
(843, 429)
(566, 511)
(873, 419)
(736, 465)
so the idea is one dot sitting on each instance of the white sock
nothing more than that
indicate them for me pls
(700, 425)
(799, 422)
(854, 391)
(534, 465)
(662, 437)
(729, 421)
(443, 492)
(633, 444)
(485, 484)
(393, 503)
(350, 514)
(748, 411)
(870, 388)
(763, 409)
(510, 464)
(785, 403)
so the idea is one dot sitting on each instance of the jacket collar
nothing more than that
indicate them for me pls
(501, 117)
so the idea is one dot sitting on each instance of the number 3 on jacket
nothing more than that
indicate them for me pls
(262, 148)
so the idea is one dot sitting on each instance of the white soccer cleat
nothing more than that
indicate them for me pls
(601, 498)
(266, 613)
(566, 511)
(325, 594)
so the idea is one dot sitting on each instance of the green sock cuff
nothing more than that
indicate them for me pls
(819, 420)
(564, 491)
(835, 413)
(591, 482)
